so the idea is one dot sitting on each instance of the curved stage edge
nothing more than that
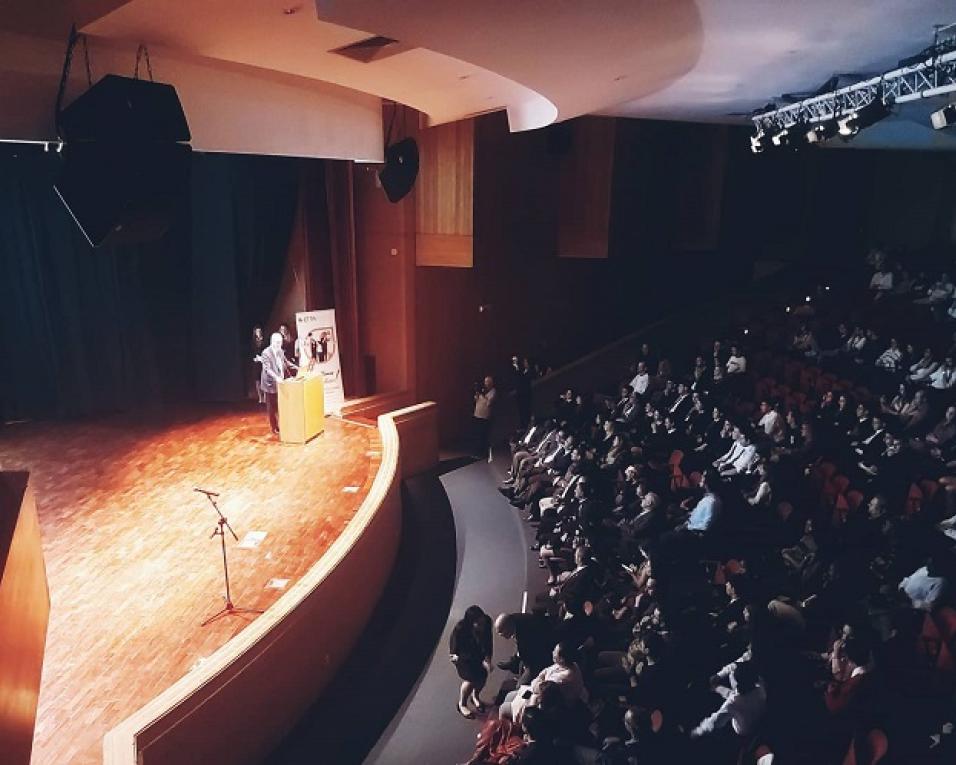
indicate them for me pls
(238, 704)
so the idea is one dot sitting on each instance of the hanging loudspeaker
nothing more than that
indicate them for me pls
(125, 170)
(401, 169)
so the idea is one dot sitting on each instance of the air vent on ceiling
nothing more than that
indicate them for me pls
(371, 49)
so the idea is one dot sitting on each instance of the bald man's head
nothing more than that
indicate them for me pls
(505, 626)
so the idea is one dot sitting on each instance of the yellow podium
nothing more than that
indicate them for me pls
(301, 409)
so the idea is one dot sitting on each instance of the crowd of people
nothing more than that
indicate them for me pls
(748, 547)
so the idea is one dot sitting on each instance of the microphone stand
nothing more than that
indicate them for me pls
(221, 525)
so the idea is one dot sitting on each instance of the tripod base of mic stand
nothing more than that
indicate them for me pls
(229, 610)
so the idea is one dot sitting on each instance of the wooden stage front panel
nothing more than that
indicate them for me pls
(132, 569)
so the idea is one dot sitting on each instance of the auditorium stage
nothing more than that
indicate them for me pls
(131, 566)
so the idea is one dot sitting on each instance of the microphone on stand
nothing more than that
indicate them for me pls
(207, 493)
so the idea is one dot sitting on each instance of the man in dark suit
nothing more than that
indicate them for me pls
(523, 376)
(534, 639)
(275, 367)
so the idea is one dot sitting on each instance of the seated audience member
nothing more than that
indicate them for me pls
(771, 422)
(744, 461)
(923, 367)
(804, 342)
(707, 510)
(896, 405)
(882, 282)
(538, 747)
(564, 673)
(853, 697)
(737, 362)
(925, 587)
(939, 441)
(762, 496)
(641, 379)
(891, 358)
(743, 707)
(938, 293)
(914, 415)
(944, 376)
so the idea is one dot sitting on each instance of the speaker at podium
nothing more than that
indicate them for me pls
(301, 409)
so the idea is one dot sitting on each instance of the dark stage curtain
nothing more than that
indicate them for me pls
(136, 328)
(243, 211)
(83, 331)
(341, 227)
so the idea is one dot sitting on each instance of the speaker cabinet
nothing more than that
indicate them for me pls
(401, 169)
(123, 109)
(125, 172)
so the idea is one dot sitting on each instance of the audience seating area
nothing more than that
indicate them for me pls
(749, 544)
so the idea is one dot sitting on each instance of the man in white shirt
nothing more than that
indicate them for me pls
(641, 379)
(745, 459)
(882, 280)
(743, 707)
(944, 377)
(737, 363)
(924, 587)
(770, 420)
(733, 452)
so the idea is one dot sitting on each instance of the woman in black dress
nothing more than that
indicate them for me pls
(470, 647)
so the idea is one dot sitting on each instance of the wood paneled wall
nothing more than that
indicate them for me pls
(444, 195)
(585, 172)
(24, 612)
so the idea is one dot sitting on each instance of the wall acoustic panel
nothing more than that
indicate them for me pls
(585, 168)
(444, 196)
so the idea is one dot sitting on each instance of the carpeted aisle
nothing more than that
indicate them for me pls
(492, 573)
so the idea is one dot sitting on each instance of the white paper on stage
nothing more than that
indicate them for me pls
(319, 353)
(252, 540)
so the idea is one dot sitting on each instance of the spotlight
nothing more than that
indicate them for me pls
(808, 298)
(945, 117)
(863, 117)
(781, 139)
(788, 309)
(822, 131)
(758, 142)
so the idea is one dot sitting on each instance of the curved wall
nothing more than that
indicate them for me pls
(239, 703)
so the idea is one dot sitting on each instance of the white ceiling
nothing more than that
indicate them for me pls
(542, 60)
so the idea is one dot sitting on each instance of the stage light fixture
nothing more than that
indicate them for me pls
(945, 117)
(781, 139)
(821, 132)
(861, 118)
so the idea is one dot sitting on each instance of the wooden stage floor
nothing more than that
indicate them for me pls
(131, 567)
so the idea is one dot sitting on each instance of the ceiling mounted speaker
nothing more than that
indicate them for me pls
(123, 109)
(401, 169)
(125, 172)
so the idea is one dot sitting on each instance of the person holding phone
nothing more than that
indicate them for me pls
(470, 650)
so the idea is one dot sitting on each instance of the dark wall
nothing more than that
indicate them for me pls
(554, 308)
(830, 205)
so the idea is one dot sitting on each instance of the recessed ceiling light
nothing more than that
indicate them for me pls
(463, 76)
(291, 10)
(620, 77)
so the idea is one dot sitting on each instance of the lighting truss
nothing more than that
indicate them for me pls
(933, 76)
